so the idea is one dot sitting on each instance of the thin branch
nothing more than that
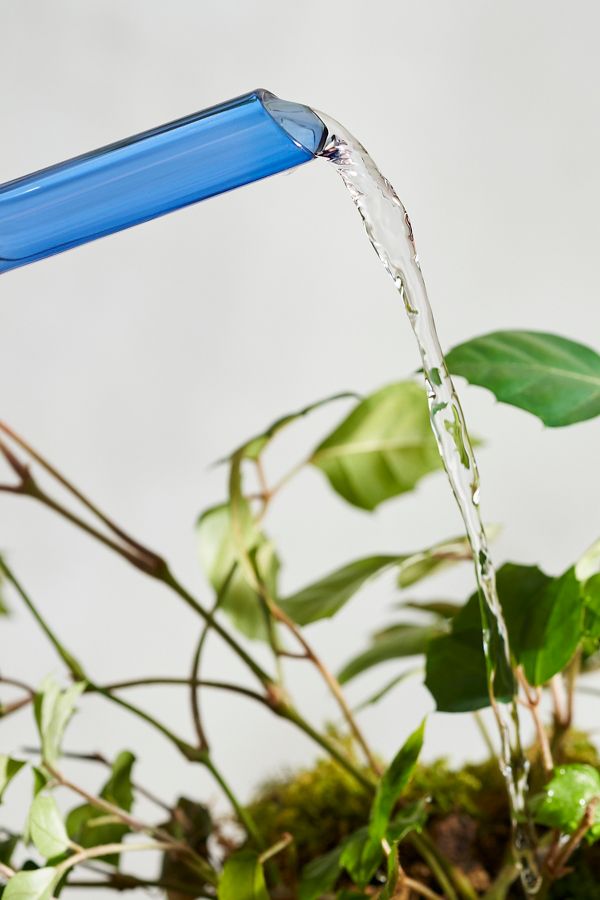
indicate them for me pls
(532, 703)
(588, 819)
(195, 673)
(167, 841)
(188, 682)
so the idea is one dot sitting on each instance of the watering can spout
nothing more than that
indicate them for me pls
(153, 173)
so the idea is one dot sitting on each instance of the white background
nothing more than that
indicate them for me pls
(136, 361)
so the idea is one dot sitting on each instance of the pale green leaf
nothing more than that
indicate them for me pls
(552, 377)
(243, 878)
(361, 857)
(221, 555)
(34, 884)
(320, 875)
(54, 708)
(46, 828)
(382, 449)
(589, 563)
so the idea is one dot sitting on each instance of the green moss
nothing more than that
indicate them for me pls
(320, 806)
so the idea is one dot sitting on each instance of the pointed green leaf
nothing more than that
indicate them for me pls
(46, 827)
(442, 609)
(389, 686)
(118, 789)
(361, 857)
(556, 379)
(564, 799)
(440, 556)
(410, 818)
(243, 878)
(382, 449)
(403, 641)
(327, 596)
(393, 874)
(393, 782)
(35, 884)
(8, 769)
(54, 708)
(222, 563)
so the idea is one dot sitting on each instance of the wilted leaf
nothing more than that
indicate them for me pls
(243, 878)
(221, 559)
(556, 379)
(403, 641)
(564, 799)
(382, 449)
(54, 708)
(46, 827)
(35, 884)
(8, 769)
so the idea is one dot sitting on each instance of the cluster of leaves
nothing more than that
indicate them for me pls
(381, 449)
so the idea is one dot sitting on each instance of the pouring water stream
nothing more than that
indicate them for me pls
(389, 230)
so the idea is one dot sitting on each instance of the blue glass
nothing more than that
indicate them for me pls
(153, 173)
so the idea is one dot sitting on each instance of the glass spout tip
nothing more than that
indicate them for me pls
(299, 122)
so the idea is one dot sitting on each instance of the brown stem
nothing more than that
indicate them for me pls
(576, 838)
(132, 821)
(75, 492)
(532, 702)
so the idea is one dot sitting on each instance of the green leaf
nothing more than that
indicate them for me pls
(54, 708)
(545, 622)
(393, 782)
(35, 884)
(220, 556)
(393, 874)
(372, 699)
(4, 609)
(435, 559)
(253, 448)
(411, 818)
(564, 799)
(361, 857)
(243, 878)
(590, 591)
(320, 875)
(118, 789)
(46, 828)
(382, 449)
(556, 379)
(90, 827)
(403, 641)
(327, 596)
(441, 609)
(589, 564)
(546, 629)
(8, 769)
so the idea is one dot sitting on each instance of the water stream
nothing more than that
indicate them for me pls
(390, 232)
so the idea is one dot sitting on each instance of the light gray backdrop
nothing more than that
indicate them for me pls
(136, 361)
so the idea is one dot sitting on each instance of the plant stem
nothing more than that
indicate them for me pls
(484, 732)
(242, 813)
(120, 881)
(576, 838)
(188, 682)
(451, 881)
(255, 580)
(532, 702)
(168, 842)
(286, 840)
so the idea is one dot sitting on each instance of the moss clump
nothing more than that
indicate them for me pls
(468, 820)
